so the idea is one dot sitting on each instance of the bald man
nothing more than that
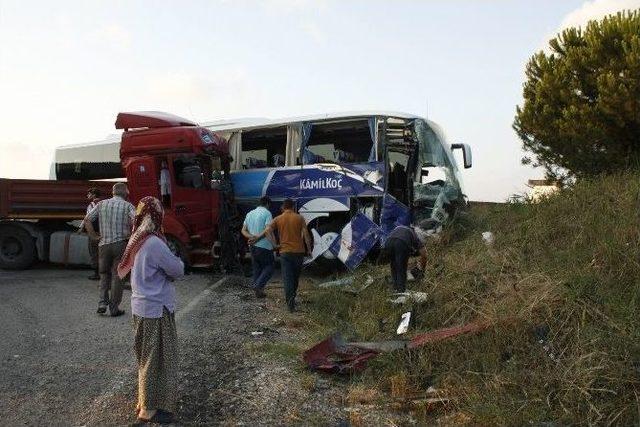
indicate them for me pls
(115, 218)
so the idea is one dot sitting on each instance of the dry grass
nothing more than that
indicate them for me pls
(561, 285)
(359, 394)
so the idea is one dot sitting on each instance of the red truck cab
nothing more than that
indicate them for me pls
(192, 156)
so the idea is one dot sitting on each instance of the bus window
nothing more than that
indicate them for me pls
(341, 142)
(264, 148)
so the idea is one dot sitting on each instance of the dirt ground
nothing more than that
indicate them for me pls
(62, 364)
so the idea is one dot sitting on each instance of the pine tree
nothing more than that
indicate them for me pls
(581, 111)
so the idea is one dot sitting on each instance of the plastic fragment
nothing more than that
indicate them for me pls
(403, 327)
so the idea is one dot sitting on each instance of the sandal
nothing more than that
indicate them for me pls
(160, 417)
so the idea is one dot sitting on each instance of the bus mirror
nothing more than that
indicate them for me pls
(466, 153)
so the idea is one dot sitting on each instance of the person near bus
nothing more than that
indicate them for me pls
(403, 242)
(93, 195)
(115, 217)
(153, 268)
(262, 260)
(294, 244)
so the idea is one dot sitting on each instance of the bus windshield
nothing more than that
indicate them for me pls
(436, 183)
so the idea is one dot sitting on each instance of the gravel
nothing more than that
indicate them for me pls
(64, 365)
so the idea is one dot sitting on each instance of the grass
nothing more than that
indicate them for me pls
(561, 285)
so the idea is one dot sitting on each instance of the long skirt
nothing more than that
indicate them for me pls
(156, 351)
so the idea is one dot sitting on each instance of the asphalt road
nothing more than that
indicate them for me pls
(58, 357)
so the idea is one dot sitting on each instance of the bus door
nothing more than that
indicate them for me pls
(400, 157)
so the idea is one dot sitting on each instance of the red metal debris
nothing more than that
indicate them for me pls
(444, 333)
(336, 356)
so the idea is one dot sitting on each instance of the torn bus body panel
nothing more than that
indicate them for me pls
(355, 241)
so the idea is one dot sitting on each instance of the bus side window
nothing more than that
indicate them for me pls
(339, 142)
(264, 148)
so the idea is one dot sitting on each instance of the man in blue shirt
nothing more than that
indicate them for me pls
(262, 259)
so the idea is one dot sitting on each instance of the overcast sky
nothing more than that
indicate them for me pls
(67, 68)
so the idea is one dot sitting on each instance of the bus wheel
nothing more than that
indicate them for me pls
(17, 248)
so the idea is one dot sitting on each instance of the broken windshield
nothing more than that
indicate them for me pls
(436, 184)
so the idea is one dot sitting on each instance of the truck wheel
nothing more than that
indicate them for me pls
(17, 248)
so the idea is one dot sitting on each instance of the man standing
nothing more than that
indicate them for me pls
(295, 243)
(93, 195)
(115, 217)
(401, 243)
(255, 223)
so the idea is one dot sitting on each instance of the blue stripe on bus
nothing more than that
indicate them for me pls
(249, 183)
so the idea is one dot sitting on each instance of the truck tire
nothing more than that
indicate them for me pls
(17, 248)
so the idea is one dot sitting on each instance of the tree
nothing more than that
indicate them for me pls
(581, 110)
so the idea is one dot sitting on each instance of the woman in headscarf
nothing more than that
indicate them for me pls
(153, 301)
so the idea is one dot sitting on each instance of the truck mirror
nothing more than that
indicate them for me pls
(466, 153)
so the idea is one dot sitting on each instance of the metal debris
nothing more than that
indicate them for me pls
(413, 296)
(334, 355)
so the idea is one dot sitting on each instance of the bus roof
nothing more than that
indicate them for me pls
(258, 122)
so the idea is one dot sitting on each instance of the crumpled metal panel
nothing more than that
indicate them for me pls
(355, 241)
(335, 356)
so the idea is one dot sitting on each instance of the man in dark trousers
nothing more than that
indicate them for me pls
(93, 195)
(295, 243)
(115, 216)
(402, 243)
(262, 260)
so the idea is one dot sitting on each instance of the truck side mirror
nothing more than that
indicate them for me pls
(466, 153)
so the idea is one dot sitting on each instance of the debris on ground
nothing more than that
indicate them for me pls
(403, 327)
(334, 355)
(347, 284)
(412, 296)
(340, 282)
(444, 333)
(488, 238)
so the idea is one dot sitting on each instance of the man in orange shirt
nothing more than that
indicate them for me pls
(295, 243)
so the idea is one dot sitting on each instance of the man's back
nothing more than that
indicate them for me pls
(256, 221)
(115, 216)
(290, 225)
(407, 235)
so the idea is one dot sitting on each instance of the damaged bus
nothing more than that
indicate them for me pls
(354, 176)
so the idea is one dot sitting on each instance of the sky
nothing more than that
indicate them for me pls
(68, 67)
